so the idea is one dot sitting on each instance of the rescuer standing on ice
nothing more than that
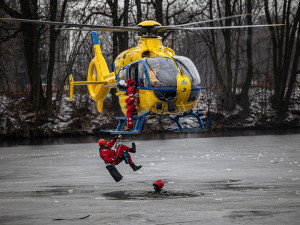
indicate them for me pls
(121, 153)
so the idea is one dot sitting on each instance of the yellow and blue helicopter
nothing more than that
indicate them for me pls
(168, 84)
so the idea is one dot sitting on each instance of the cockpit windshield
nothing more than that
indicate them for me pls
(189, 69)
(162, 72)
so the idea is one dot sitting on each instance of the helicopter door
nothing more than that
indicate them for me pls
(133, 72)
(122, 75)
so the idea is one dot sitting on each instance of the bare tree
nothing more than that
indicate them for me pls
(139, 11)
(31, 40)
(224, 73)
(31, 37)
(246, 86)
(285, 40)
(120, 41)
(52, 50)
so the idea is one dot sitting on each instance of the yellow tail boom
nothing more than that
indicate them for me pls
(99, 79)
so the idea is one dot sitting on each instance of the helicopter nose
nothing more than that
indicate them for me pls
(183, 89)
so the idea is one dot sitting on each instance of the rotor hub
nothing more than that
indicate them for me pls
(148, 23)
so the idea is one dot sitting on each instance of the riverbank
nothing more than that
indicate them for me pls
(81, 118)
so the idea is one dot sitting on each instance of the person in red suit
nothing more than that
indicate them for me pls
(116, 157)
(132, 101)
(158, 185)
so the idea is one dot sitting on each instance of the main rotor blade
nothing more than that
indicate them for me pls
(212, 20)
(157, 29)
(223, 27)
(103, 28)
(95, 29)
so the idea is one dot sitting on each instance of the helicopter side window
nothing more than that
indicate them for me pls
(122, 74)
(143, 82)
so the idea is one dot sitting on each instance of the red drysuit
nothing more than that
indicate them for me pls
(115, 157)
(132, 101)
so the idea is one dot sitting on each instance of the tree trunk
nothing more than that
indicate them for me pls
(283, 42)
(31, 39)
(294, 70)
(225, 79)
(246, 86)
(213, 52)
(52, 48)
(123, 36)
(159, 11)
(228, 101)
(116, 49)
(139, 11)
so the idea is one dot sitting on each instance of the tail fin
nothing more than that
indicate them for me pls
(99, 79)
(98, 71)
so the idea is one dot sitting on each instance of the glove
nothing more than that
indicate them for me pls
(117, 137)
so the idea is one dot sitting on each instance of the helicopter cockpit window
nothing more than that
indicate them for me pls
(189, 69)
(162, 72)
(143, 82)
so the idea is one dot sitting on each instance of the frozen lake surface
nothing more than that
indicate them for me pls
(210, 180)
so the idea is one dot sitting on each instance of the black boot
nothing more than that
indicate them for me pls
(133, 149)
(134, 167)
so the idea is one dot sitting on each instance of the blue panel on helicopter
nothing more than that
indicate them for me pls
(94, 38)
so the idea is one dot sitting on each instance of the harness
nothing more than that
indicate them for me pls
(125, 154)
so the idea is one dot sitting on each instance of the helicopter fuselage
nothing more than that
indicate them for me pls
(168, 84)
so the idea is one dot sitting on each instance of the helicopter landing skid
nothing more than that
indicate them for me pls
(191, 114)
(138, 128)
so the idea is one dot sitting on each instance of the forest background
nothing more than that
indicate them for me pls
(252, 75)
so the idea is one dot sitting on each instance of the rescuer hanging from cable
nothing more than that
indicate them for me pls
(116, 157)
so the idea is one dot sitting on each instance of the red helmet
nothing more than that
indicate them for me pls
(159, 184)
(102, 142)
(130, 82)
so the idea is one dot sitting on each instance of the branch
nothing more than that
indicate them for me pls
(9, 11)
